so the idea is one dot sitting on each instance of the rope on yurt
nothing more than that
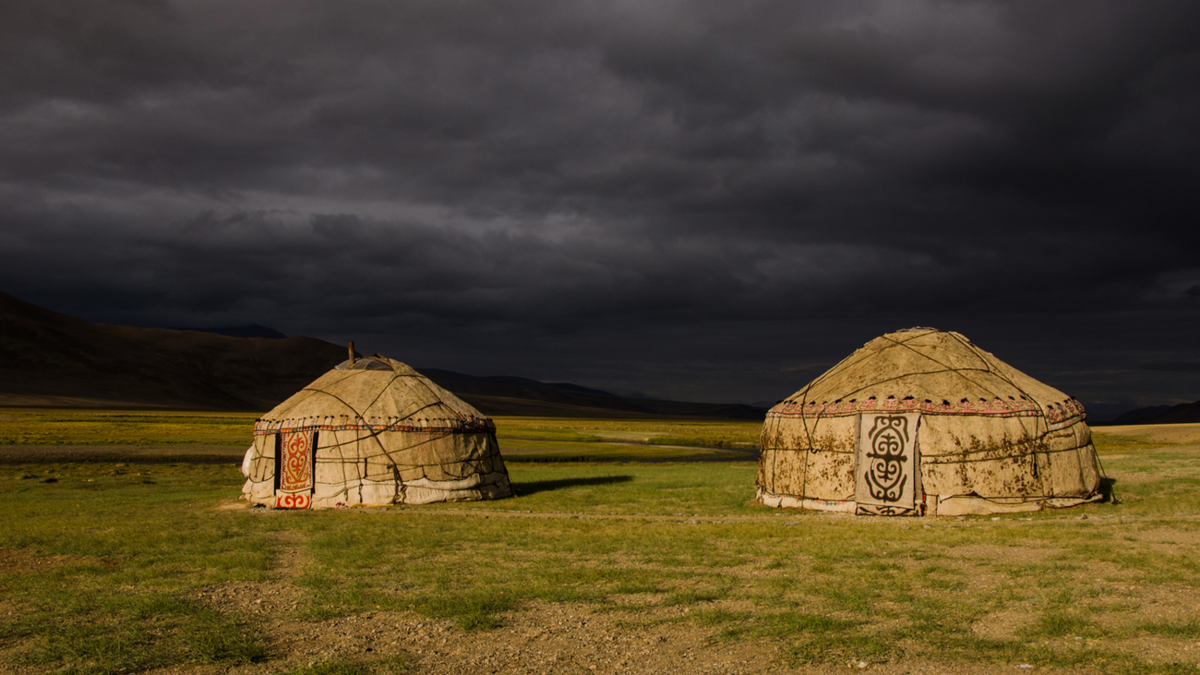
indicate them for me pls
(343, 464)
(946, 368)
(359, 439)
(838, 365)
(807, 453)
(808, 431)
(1038, 471)
(1039, 420)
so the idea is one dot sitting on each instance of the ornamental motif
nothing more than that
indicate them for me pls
(345, 422)
(296, 470)
(874, 510)
(295, 501)
(885, 475)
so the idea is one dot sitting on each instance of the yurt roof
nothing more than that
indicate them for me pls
(927, 370)
(376, 392)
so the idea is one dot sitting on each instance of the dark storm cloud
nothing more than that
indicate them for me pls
(723, 197)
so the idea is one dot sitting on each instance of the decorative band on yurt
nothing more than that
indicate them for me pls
(1054, 413)
(346, 423)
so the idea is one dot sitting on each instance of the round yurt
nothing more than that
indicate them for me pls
(923, 422)
(373, 431)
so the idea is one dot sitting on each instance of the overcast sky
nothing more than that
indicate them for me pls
(699, 200)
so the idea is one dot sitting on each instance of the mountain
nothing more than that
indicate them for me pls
(502, 395)
(249, 330)
(1136, 416)
(48, 358)
(503, 385)
(1184, 413)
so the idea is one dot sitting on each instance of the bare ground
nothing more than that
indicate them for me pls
(546, 639)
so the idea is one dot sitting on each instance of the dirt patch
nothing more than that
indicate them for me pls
(545, 638)
(1167, 540)
(1176, 604)
(22, 562)
(256, 600)
(552, 639)
(1000, 625)
(1009, 554)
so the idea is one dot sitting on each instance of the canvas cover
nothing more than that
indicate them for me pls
(373, 432)
(989, 437)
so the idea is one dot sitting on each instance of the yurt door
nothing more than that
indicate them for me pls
(295, 456)
(886, 479)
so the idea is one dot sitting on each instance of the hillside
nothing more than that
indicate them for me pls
(1184, 413)
(1134, 416)
(51, 359)
(47, 358)
(503, 395)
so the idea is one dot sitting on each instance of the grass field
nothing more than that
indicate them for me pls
(145, 436)
(109, 567)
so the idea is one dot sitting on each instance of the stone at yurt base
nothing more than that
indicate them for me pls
(922, 422)
(373, 431)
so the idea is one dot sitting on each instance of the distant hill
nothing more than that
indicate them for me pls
(502, 395)
(249, 330)
(48, 358)
(1184, 413)
(1136, 416)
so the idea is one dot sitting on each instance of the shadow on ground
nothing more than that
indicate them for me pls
(534, 487)
(1106, 489)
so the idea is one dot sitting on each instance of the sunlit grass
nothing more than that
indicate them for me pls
(531, 439)
(37, 426)
(700, 433)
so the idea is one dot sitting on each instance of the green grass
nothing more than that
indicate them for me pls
(515, 431)
(112, 568)
(99, 634)
(533, 439)
(530, 439)
(35, 426)
(472, 610)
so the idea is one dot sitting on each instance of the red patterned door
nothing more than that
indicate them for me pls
(294, 458)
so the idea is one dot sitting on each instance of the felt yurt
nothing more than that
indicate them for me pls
(373, 431)
(923, 422)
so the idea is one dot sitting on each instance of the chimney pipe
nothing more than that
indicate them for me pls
(351, 348)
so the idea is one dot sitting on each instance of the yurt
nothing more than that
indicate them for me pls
(373, 431)
(923, 422)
